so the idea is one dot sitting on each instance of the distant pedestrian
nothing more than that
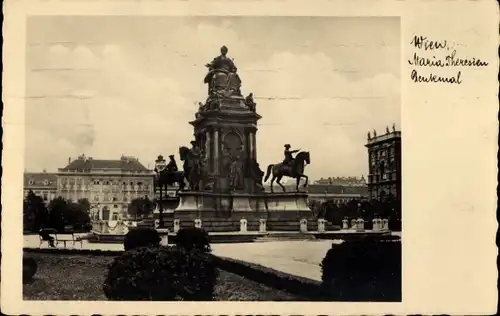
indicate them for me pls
(45, 236)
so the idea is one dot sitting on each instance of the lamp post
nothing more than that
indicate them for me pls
(160, 165)
(95, 212)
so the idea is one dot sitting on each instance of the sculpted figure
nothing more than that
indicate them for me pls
(222, 62)
(256, 173)
(249, 102)
(222, 79)
(387, 129)
(369, 136)
(374, 133)
(172, 165)
(289, 154)
(235, 173)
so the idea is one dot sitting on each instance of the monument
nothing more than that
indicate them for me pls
(223, 175)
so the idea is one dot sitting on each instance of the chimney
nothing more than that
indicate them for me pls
(69, 160)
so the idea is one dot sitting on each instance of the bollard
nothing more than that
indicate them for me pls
(385, 224)
(303, 225)
(321, 225)
(197, 223)
(262, 225)
(345, 223)
(243, 225)
(163, 232)
(376, 224)
(177, 225)
(353, 224)
(360, 225)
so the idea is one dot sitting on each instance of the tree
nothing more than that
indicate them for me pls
(140, 207)
(85, 205)
(57, 207)
(65, 212)
(34, 212)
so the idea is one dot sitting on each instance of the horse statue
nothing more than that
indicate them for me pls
(166, 178)
(191, 166)
(294, 170)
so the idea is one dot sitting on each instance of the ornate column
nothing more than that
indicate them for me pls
(216, 151)
(207, 149)
(251, 136)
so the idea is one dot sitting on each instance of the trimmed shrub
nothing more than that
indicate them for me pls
(141, 237)
(363, 270)
(161, 274)
(193, 238)
(29, 269)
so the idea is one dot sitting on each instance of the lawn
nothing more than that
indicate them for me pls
(80, 277)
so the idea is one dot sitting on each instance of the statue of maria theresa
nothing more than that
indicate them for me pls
(222, 79)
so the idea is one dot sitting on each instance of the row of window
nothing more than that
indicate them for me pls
(45, 182)
(100, 181)
(78, 186)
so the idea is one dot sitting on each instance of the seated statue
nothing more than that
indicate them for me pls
(222, 79)
(249, 102)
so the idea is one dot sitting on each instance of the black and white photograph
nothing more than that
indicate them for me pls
(236, 157)
(256, 161)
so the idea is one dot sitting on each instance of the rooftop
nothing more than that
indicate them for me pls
(125, 163)
(383, 138)
(40, 179)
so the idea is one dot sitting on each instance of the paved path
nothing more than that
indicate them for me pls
(299, 257)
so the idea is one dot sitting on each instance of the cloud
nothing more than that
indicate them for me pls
(140, 98)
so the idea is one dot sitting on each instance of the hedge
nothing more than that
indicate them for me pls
(141, 237)
(161, 274)
(193, 238)
(364, 270)
(29, 269)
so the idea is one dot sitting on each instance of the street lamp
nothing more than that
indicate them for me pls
(160, 165)
(95, 212)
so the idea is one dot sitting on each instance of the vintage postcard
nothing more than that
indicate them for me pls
(249, 157)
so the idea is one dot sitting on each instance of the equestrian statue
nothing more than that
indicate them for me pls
(170, 175)
(290, 167)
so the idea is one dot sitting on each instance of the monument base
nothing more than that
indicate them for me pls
(220, 212)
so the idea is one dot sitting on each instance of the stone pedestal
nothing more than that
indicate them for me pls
(321, 225)
(360, 225)
(243, 225)
(262, 225)
(197, 223)
(241, 202)
(303, 225)
(385, 224)
(177, 225)
(163, 235)
(345, 223)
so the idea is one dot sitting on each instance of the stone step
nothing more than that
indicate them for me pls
(284, 236)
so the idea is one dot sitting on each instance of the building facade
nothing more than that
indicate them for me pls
(345, 181)
(43, 184)
(323, 192)
(109, 185)
(384, 158)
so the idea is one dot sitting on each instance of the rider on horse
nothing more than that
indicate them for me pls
(172, 165)
(288, 155)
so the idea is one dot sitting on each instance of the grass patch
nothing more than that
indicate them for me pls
(80, 277)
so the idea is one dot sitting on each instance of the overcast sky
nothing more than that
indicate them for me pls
(107, 86)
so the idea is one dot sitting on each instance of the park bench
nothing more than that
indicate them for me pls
(68, 235)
